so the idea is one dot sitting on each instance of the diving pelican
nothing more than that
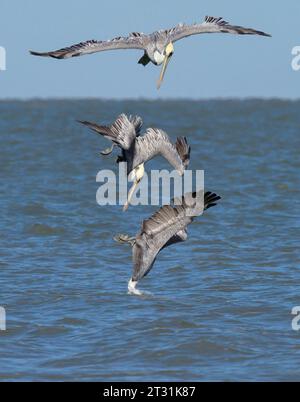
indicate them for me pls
(125, 133)
(158, 47)
(166, 227)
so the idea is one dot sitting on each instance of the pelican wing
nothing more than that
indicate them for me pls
(197, 202)
(144, 254)
(166, 227)
(210, 25)
(156, 142)
(122, 132)
(134, 41)
(179, 237)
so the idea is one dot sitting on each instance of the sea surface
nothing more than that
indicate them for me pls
(220, 303)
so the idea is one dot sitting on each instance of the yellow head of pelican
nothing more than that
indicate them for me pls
(169, 51)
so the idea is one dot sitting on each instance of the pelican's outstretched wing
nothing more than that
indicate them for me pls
(210, 25)
(166, 227)
(156, 142)
(122, 132)
(156, 234)
(196, 203)
(164, 219)
(134, 41)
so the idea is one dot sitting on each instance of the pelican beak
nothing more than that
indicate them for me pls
(169, 54)
(131, 192)
(138, 174)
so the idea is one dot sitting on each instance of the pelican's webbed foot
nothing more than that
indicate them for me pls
(108, 151)
(144, 60)
(125, 239)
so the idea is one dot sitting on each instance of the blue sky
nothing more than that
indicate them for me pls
(205, 66)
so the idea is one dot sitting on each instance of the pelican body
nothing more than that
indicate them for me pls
(166, 227)
(138, 149)
(158, 47)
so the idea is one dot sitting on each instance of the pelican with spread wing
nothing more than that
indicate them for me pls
(158, 47)
(166, 227)
(125, 133)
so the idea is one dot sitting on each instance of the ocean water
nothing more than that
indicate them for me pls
(221, 303)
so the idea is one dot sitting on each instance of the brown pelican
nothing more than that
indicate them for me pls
(137, 150)
(158, 47)
(166, 227)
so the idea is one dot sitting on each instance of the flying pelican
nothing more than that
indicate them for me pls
(137, 150)
(158, 47)
(166, 227)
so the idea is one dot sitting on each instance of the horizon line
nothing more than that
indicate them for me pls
(144, 99)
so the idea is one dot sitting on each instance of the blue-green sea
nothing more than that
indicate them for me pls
(220, 304)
